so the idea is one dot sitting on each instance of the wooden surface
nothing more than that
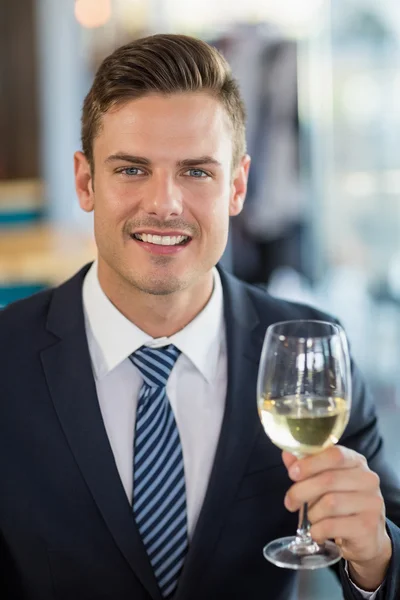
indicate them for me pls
(42, 254)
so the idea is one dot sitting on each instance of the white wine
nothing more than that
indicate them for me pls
(304, 424)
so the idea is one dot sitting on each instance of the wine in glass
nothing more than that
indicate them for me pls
(304, 400)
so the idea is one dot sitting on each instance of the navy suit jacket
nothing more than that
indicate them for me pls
(66, 527)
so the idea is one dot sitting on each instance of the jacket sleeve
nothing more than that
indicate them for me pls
(390, 590)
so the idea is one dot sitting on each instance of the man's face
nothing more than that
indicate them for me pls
(163, 190)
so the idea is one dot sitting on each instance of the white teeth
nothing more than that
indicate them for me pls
(161, 240)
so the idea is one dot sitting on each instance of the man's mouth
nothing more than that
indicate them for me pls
(162, 240)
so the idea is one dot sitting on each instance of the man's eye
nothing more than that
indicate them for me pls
(131, 171)
(197, 173)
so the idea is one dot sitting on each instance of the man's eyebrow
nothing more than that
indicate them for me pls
(201, 160)
(140, 160)
(121, 156)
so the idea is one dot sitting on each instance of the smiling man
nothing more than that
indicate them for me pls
(133, 464)
(162, 177)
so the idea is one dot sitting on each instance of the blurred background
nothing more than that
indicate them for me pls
(321, 81)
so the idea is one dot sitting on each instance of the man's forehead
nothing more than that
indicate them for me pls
(190, 109)
(179, 120)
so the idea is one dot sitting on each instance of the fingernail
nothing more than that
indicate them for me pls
(294, 471)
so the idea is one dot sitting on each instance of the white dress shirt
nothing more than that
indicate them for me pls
(198, 402)
(366, 595)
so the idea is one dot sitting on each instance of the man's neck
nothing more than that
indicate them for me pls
(158, 316)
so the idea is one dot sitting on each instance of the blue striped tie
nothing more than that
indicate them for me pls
(159, 496)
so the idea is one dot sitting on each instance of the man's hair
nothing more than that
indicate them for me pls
(162, 64)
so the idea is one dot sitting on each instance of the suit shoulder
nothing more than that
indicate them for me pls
(24, 315)
(284, 309)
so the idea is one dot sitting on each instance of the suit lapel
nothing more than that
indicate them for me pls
(240, 428)
(71, 384)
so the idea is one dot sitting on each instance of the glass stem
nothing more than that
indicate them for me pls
(303, 535)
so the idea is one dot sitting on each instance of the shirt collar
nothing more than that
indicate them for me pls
(112, 337)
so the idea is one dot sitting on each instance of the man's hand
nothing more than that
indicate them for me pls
(345, 504)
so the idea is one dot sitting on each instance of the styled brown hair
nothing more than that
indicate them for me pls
(162, 64)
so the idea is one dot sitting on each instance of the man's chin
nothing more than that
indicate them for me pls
(159, 291)
(159, 286)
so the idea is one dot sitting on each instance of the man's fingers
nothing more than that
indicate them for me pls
(335, 457)
(338, 504)
(288, 459)
(310, 490)
(347, 528)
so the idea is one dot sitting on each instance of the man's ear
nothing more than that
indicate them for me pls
(239, 186)
(83, 182)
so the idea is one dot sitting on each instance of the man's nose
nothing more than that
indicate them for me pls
(163, 197)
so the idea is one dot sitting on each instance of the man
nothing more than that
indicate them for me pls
(132, 460)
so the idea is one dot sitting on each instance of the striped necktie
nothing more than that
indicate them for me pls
(159, 496)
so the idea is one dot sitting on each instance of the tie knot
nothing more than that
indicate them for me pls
(155, 364)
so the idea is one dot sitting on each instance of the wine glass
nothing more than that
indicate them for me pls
(304, 400)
